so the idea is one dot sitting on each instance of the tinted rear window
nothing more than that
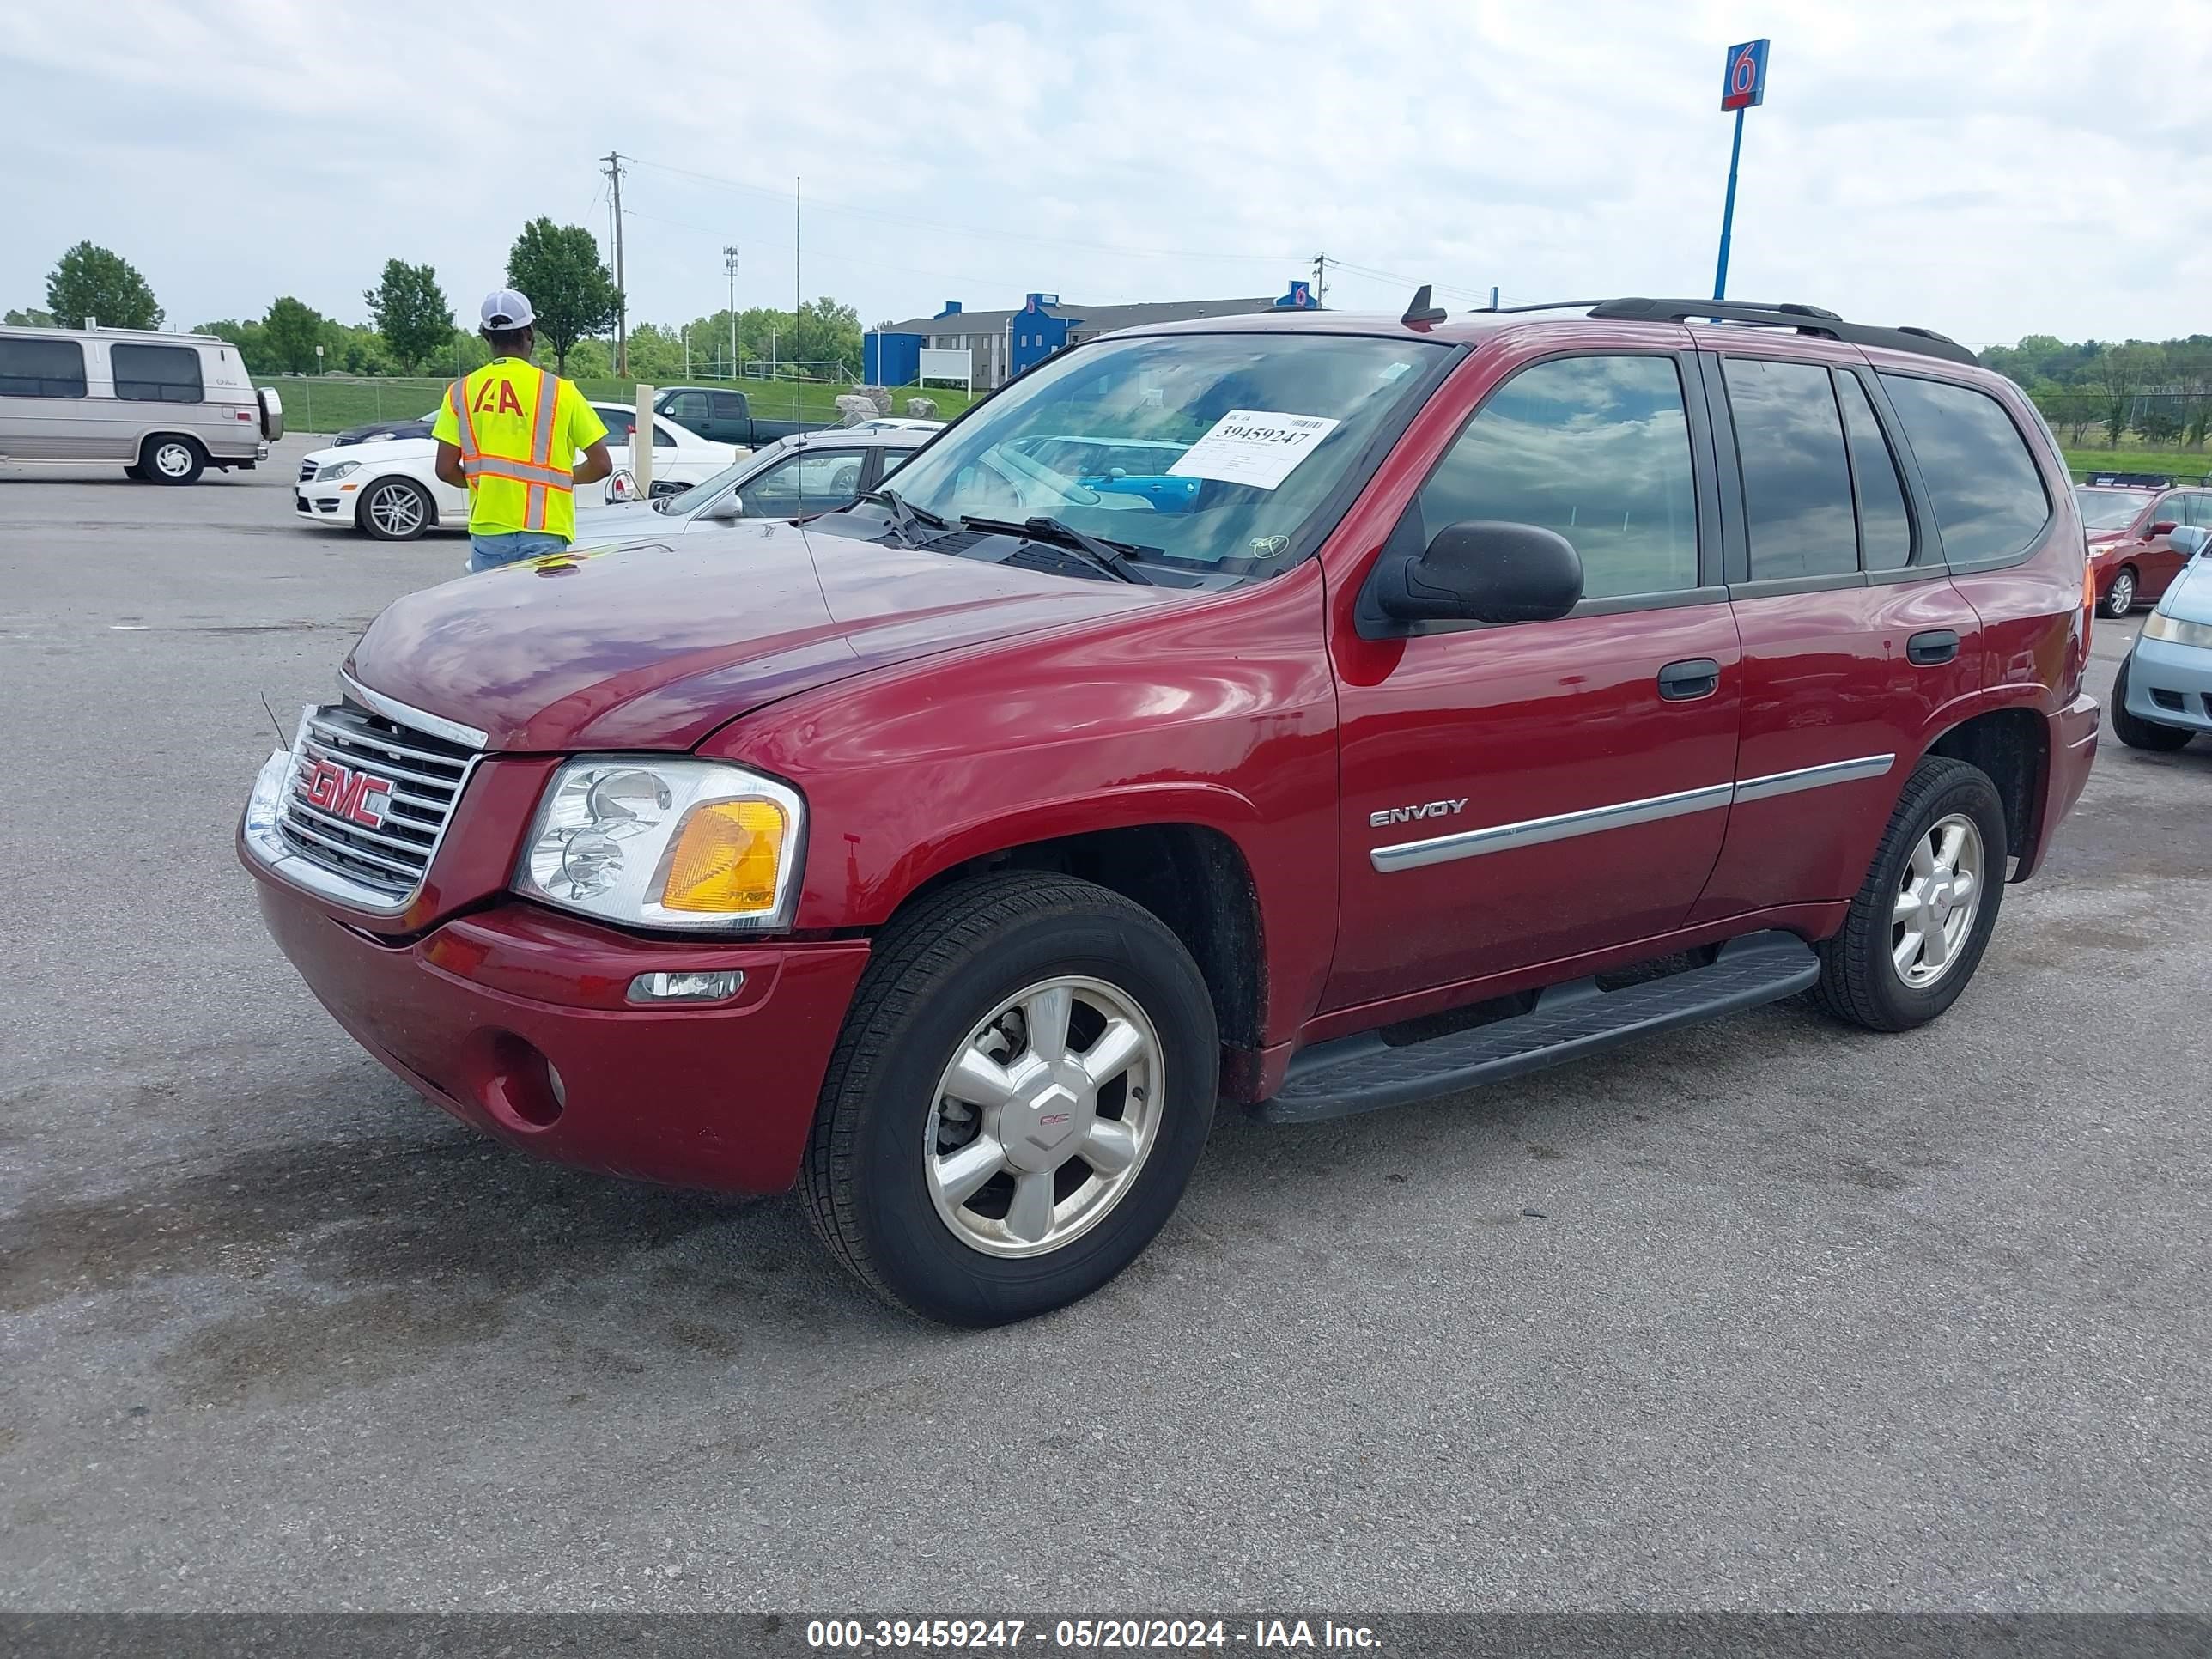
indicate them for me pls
(1989, 498)
(41, 368)
(156, 374)
(1796, 484)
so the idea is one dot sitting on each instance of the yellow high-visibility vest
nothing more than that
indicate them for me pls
(513, 423)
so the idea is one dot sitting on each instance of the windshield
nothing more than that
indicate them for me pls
(686, 502)
(1205, 450)
(2107, 509)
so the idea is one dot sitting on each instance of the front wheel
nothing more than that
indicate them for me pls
(1917, 930)
(2136, 732)
(2120, 598)
(172, 460)
(1024, 1085)
(395, 510)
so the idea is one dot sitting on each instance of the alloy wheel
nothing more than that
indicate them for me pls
(397, 510)
(1937, 901)
(1044, 1117)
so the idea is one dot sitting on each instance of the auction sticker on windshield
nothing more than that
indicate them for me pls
(1255, 446)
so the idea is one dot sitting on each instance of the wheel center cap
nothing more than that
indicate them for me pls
(1039, 1129)
(1940, 902)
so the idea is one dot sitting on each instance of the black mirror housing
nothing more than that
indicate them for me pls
(1481, 570)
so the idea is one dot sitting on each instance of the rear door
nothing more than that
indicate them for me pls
(730, 422)
(1516, 795)
(1853, 635)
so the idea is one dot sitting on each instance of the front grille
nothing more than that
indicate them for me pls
(306, 472)
(425, 773)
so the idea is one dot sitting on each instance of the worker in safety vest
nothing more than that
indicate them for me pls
(510, 433)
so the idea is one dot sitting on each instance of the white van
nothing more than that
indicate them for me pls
(166, 406)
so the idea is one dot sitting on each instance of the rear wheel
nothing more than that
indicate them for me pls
(1024, 1085)
(2135, 732)
(1917, 930)
(2120, 598)
(172, 459)
(137, 471)
(394, 510)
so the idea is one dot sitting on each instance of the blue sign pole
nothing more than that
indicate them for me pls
(1743, 87)
(1728, 212)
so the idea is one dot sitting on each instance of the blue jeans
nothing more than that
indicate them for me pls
(490, 552)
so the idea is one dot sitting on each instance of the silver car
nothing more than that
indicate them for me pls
(164, 407)
(793, 478)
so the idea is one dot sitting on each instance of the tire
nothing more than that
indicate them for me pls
(2120, 598)
(137, 473)
(1870, 976)
(939, 988)
(170, 457)
(2136, 732)
(395, 510)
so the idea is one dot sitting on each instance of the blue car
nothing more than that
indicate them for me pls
(2163, 696)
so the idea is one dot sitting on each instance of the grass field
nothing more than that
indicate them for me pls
(326, 403)
(2188, 464)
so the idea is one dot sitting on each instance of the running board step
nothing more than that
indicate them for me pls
(1364, 1074)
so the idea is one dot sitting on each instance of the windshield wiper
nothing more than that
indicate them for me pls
(904, 515)
(1111, 558)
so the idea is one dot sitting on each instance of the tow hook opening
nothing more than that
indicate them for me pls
(514, 1081)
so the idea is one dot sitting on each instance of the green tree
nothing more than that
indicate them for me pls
(291, 333)
(572, 294)
(92, 282)
(588, 360)
(411, 312)
(829, 332)
(656, 354)
(29, 319)
(2120, 373)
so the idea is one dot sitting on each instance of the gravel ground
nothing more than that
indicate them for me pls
(1809, 1318)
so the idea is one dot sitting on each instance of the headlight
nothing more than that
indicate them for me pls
(685, 844)
(325, 475)
(2160, 626)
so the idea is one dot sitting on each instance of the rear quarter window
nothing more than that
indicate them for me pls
(41, 368)
(1987, 491)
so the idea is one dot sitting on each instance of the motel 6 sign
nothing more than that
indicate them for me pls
(1745, 87)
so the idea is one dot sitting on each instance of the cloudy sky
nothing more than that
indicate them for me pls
(1985, 170)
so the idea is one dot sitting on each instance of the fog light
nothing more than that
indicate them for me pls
(687, 987)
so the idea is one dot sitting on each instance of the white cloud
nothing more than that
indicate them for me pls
(1988, 171)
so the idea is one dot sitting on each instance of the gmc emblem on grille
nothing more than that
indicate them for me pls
(346, 794)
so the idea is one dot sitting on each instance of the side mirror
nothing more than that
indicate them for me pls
(2163, 527)
(1480, 570)
(622, 486)
(2189, 541)
(728, 510)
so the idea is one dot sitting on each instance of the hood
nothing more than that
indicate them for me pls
(2189, 599)
(653, 645)
(618, 521)
(375, 450)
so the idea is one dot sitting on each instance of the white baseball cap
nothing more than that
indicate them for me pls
(504, 309)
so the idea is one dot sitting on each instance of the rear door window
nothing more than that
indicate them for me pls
(40, 368)
(1597, 448)
(1796, 479)
(156, 374)
(1885, 523)
(729, 406)
(1982, 480)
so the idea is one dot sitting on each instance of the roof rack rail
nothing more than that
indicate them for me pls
(1806, 319)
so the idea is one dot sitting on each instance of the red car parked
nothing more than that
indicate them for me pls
(2129, 551)
(954, 855)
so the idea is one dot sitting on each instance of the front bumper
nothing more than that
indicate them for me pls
(514, 1020)
(323, 501)
(2171, 684)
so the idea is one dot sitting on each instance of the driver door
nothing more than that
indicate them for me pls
(1514, 794)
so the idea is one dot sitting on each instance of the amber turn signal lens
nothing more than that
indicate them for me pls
(726, 861)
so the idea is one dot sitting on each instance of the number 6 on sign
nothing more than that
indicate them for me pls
(1745, 87)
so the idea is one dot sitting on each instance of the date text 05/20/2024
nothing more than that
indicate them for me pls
(852, 1635)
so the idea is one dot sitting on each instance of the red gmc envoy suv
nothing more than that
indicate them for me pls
(1309, 712)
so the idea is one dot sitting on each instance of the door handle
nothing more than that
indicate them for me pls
(1936, 645)
(1686, 681)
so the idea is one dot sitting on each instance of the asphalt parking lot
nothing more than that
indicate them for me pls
(1808, 1318)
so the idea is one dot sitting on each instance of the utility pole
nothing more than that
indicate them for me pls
(621, 298)
(1321, 277)
(729, 259)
